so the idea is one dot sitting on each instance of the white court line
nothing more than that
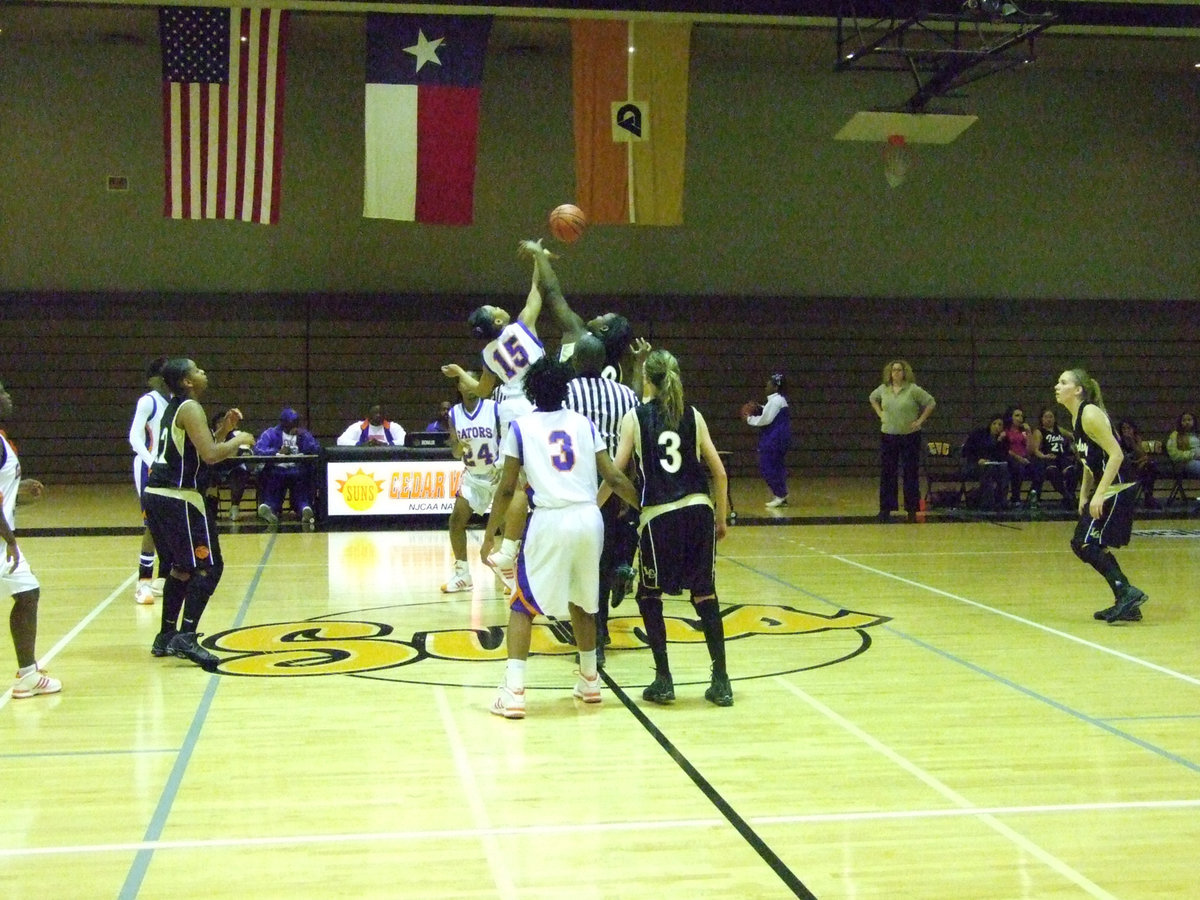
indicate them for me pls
(70, 635)
(524, 831)
(491, 847)
(950, 794)
(1007, 615)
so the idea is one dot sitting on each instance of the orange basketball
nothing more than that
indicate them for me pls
(567, 223)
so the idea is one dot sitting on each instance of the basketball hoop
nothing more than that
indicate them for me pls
(898, 159)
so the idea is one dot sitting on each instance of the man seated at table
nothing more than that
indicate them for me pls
(286, 477)
(374, 430)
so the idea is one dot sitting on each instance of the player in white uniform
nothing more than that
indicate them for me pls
(558, 568)
(18, 579)
(143, 438)
(475, 439)
(512, 347)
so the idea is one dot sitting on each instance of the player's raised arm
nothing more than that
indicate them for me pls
(569, 321)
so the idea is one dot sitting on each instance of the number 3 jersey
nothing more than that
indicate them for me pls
(478, 432)
(669, 464)
(558, 452)
(511, 354)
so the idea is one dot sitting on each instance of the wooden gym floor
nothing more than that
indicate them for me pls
(923, 710)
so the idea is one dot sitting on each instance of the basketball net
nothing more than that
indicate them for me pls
(898, 159)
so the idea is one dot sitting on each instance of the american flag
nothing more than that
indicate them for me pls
(223, 75)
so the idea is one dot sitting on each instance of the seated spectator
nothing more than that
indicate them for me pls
(232, 473)
(985, 458)
(374, 430)
(442, 422)
(1050, 447)
(1020, 464)
(278, 479)
(1183, 446)
(1138, 461)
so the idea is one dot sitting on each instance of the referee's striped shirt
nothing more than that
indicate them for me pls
(604, 402)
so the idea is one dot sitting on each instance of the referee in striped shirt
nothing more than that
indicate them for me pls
(604, 402)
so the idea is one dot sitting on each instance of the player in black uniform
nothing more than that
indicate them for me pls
(623, 354)
(177, 513)
(679, 529)
(1106, 498)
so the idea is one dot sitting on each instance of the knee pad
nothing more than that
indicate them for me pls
(204, 581)
(1092, 554)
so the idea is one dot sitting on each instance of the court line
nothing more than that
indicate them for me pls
(1162, 670)
(501, 874)
(950, 794)
(158, 821)
(71, 635)
(757, 844)
(521, 831)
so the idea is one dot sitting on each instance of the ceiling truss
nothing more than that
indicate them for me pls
(941, 50)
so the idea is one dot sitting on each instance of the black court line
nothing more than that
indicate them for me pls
(778, 866)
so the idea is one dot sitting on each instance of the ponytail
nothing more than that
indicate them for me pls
(662, 371)
(1091, 387)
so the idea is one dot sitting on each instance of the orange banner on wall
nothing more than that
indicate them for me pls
(630, 83)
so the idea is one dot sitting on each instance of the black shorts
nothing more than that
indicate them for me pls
(678, 552)
(181, 531)
(1115, 524)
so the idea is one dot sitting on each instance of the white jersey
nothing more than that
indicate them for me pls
(479, 434)
(143, 431)
(511, 354)
(10, 480)
(558, 452)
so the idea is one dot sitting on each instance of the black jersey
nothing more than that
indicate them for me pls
(1054, 443)
(177, 464)
(1090, 454)
(669, 462)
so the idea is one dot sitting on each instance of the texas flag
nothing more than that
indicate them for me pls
(422, 116)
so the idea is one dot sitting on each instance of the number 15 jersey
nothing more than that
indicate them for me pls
(511, 354)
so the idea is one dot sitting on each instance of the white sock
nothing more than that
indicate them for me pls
(514, 675)
(587, 664)
(509, 547)
(461, 567)
(21, 673)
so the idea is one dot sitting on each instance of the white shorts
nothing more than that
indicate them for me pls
(21, 580)
(559, 562)
(478, 490)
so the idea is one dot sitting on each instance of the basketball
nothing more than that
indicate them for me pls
(567, 223)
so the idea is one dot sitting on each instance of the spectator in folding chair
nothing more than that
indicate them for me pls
(1021, 465)
(287, 477)
(1050, 449)
(1183, 448)
(985, 459)
(1139, 461)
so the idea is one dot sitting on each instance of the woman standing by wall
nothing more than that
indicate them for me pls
(774, 439)
(902, 406)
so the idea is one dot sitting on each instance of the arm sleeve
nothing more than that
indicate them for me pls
(308, 443)
(349, 437)
(770, 410)
(397, 434)
(137, 430)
